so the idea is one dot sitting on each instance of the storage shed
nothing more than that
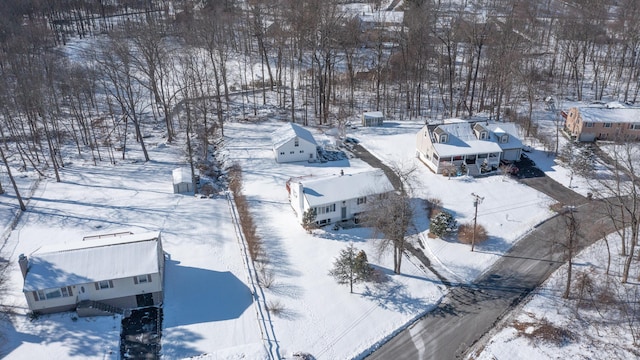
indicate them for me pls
(372, 118)
(182, 182)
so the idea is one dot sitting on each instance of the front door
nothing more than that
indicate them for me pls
(344, 212)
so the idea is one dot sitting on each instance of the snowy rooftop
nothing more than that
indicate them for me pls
(462, 141)
(181, 175)
(610, 113)
(331, 189)
(93, 260)
(388, 17)
(290, 131)
(505, 128)
(373, 114)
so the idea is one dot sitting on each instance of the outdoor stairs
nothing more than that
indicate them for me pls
(474, 169)
(96, 305)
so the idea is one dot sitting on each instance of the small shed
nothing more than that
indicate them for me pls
(182, 182)
(372, 118)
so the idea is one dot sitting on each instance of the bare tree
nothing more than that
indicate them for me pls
(622, 196)
(391, 215)
(116, 64)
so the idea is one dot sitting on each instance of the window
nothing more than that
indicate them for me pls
(296, 142)
(292, 152)
(140, 279)
(504, 138)
(105, 284)
(483, 135)
(361, 200)
(443, 138)
(607, 125)
(588, 124)
(635, 126)
(436, 157)
(301, 151)
(52, 293)
(325, 209)
(281, 152)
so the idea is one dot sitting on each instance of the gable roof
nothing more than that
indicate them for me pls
(334, 188)
(462, 141)
(290, 131)
(93, 260)
(604, 114)
(510, 129)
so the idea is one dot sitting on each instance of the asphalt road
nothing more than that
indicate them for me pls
(469, 311)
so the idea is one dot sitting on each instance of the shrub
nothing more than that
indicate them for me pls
(433, 207)
(275, 307)
(442, 224)
(465, 233)
(254, 242)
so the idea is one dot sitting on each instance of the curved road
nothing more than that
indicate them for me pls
(470, 310)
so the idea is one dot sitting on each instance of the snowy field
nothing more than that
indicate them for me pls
(208, 307)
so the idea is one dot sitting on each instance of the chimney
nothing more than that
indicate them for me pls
(24, 265)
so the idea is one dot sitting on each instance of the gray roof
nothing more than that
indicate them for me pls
(94, 260)
(335, 188)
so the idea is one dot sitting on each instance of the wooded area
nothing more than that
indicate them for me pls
(151, 62)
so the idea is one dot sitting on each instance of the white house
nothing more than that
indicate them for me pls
(372, 118)
(101, 274)
(475, 147)
(336, 197)
(182, 182)
(294, 143)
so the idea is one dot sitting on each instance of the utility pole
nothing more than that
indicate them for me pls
(476, 201)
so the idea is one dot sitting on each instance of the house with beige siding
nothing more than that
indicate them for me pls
(611, 121)
(102, 274)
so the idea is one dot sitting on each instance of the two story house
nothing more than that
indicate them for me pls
(101, 274)
(611, 121)
(475, 146)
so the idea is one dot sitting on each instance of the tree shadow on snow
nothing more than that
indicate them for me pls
(392, 295)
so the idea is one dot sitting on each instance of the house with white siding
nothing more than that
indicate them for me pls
(101, 274)
(469, 147)
(336, 197)
(293, 143)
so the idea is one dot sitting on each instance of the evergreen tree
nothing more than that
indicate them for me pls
(309, 220)
(442, 224)
(351, 267)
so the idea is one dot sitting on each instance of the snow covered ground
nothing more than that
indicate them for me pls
(209, 310)
(208, 305)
